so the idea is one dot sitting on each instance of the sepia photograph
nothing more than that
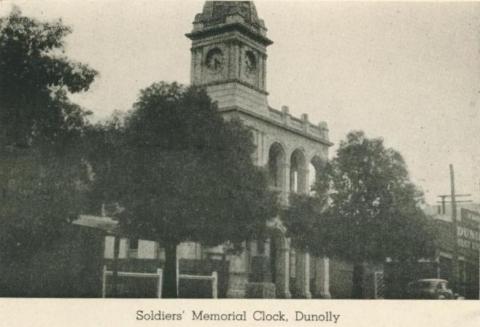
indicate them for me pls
(240, 150)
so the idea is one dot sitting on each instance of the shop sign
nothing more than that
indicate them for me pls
(468, 234)
(470, 215)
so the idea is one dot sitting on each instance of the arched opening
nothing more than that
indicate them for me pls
(314, 169)
(276, 165)
(298, 172)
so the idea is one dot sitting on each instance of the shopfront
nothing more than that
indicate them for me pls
(467, 238)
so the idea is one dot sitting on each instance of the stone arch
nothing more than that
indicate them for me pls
(276, 166)
(298, 172)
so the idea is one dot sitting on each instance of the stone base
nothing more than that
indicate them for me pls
(305, 295)
(237, 282)
(260, 269)
(235, 294)
(323, 295)
(260, 291)
(283, 295)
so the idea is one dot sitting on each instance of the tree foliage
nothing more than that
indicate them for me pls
(181, 172)
(375, 204)
(42, 175)
(308, 217)
(375, 207)
(35, 77)
(365, 209)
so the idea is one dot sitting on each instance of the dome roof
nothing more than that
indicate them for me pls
(217, 12)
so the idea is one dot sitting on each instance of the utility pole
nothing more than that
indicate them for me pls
(444, 201)
(455, 270)
(455, 275)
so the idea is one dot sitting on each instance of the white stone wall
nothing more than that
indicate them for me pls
(150, 250)
(232, 94)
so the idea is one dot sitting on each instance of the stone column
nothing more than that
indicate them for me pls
(263, 85)
(322, 277)
(303, 186)
(303, 274)
(267, 246)
(238, 274)
(252, 248)
(282, 273)
(285, 183)
(236, 60)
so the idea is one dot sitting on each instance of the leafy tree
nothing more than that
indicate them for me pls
(375, 207)
(42, 176)
(308, 217)
(35, 77)
(181, 173)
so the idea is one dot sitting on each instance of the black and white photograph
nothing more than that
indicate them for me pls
(240, 150)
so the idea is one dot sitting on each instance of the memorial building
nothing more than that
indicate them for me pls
(229, 58)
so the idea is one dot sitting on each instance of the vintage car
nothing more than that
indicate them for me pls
(431, 288)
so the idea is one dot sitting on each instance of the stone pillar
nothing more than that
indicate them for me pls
(267, 246)
(261, 247)
(252, 248)
(303, 274)
(285, 115)
(260, 270)
(238, 274)
(263, 85)
(234, 58)
(303, 186)
(305, 123)
(282, 273)
(322, 278)
(285, 183)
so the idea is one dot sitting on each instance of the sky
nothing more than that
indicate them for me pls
(406, 72)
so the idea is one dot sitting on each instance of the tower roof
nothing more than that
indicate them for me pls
(221, 14)
(217, 12)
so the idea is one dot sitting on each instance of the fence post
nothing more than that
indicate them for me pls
(160, 282)
(177, 269)
(214, 284)
(104, 281)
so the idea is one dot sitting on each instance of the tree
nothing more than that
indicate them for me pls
(181, 173)
(308, 217)
(35, 77)
(42, 175)
(375, 207)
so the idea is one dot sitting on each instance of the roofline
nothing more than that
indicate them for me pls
(275, 123)
(226, 27)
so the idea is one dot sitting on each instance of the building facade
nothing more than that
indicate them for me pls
(229, 59)
(461, 238)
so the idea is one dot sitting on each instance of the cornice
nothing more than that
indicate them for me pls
(275, 123)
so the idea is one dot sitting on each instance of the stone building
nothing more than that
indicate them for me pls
(229, 58)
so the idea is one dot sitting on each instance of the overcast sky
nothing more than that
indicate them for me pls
(407, 72)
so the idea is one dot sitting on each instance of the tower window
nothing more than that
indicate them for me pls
(250, 62)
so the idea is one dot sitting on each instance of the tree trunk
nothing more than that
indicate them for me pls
(357, 280)
(170, 286)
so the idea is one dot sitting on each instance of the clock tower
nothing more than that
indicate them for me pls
(229, 53)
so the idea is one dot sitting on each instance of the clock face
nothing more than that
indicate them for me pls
(250, 63)
(214, 60)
